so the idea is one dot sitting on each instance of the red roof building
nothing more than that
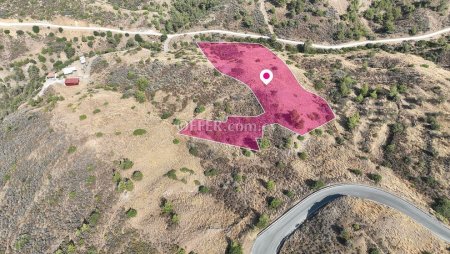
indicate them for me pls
(72, 81)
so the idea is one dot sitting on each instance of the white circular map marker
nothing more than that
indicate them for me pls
(266, 76)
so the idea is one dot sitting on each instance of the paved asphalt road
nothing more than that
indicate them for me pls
(269, 240)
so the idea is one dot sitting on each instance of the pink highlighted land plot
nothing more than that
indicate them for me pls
(284, 100)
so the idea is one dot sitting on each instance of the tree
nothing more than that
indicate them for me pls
(306, 47)
(36, 29)
(138, 38)
(70, 52)
(163, 38)
(442, 206)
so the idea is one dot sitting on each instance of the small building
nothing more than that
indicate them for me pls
(52, 75)
(69, 70)
(72, 81)
(82, 59)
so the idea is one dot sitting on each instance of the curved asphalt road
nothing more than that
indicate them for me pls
(270, 239)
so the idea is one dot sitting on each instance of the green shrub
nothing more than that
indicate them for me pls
(166, 207)
(126, 164)
(21, 241)
(264, 143)
(274, 203)
(36, 29)
(142, 83)
(270, 185)
(176, 141)
(99, 134)
(432, 121)
(263, 221)
(139, 96)
(137, 176)
(187, 170)
(193, 151)
(319, 85)
(203, 189)
(353, 121)
(302, 155)
(93, 218)
(199, 109)
(301, 138)
(172, 174)
(355, 171)
(211, 172)
(139, 132)
(237, 178)
(374, 177)
(125, 185)
(234, 248)
(90, 180)
(246, 152)
(96, 111)
(72, 149)
(72, 194)
(373, 250)
(442, 206)
(116, 177)
(131, 213)
(83, 117)
(176, 121)
(288, 193)
(175, 218)
(390, 148)
(316, 132)
(317, 184)
(166, 115)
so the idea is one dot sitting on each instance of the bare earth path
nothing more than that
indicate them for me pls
(237, 34)
(262, 8)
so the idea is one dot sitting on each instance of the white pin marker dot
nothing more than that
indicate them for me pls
(266, 76)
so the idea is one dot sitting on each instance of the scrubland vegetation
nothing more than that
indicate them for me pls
(391, 125)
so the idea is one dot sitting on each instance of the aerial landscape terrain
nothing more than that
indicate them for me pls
(348, 101)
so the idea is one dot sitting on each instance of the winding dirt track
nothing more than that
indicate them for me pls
(237, 34)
